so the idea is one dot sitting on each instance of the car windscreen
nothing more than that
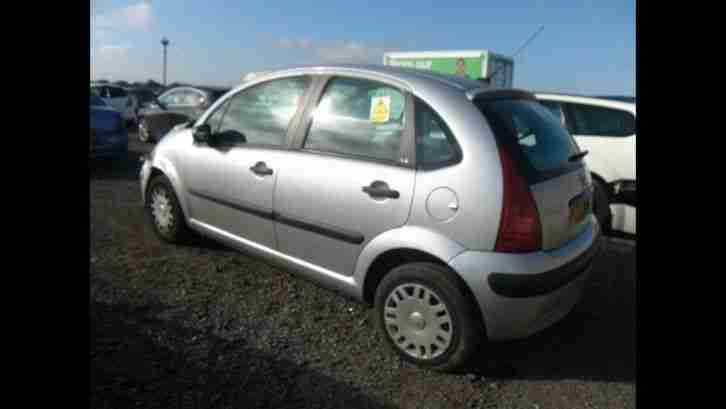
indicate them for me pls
(534, 132)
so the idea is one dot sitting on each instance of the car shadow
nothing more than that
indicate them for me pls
(596, 341)
(142, 358)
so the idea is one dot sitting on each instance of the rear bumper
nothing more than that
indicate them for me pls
(521, 294)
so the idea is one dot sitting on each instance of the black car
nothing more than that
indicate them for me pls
(175, 106)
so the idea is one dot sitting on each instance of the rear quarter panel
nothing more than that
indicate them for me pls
(476, 180)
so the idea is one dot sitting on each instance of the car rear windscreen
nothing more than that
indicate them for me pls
(528, 126)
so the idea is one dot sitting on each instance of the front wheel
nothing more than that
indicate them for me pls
(164, 212)
(427, 317)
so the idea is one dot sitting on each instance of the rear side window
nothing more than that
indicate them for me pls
(593, 120)
(115, 92)
(435, 144)
(532, 129)
(360, 118)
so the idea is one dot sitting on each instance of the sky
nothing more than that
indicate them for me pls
(586, 46)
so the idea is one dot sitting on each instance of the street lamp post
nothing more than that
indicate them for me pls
(165, 43)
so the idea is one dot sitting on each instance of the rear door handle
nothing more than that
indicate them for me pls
(261, 168)
(380, 189)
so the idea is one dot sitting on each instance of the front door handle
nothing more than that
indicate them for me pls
(261, 168)
(380, 189)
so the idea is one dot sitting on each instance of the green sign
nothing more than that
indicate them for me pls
(469, 67)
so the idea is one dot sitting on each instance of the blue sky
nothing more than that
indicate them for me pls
(586, 46)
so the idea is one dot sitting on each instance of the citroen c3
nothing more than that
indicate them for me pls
(462, 214)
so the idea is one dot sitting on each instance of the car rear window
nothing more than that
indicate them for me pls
(533, 130)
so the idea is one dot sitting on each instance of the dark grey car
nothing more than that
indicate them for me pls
(175, 106)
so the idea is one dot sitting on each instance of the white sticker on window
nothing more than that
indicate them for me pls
(380, 109)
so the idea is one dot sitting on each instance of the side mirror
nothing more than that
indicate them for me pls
(202, 134)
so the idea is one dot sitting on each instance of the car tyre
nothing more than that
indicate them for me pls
(601, 205)
(425, 303)
(164, 212)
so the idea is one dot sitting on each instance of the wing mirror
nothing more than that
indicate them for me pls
(202, 134)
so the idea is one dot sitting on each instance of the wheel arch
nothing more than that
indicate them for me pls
(162, 166)
(398, 246)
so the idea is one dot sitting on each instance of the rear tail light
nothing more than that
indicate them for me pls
(520, 230)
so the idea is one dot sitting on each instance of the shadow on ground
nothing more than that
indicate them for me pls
(141, 360)
(596, 341)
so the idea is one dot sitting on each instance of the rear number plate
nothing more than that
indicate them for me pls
(579, 206)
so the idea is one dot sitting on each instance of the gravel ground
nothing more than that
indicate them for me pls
(205, 326)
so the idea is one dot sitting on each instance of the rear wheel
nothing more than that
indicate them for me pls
(601, 205)
(427, 317)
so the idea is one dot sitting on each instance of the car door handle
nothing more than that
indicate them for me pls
(261, 168)
(380, 189)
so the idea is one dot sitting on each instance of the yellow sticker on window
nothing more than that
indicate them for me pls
(380, 109)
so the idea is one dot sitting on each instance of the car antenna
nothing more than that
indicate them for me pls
(525, 44)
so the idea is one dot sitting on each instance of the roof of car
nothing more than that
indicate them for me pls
(204, 88)
(414, 78)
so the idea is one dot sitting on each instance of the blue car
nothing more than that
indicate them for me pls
(109, 138)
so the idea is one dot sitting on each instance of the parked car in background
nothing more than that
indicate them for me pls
(462, 213)
(606, 128)
(109, 138)
(118, 98)
(176, 106)
(143, 97)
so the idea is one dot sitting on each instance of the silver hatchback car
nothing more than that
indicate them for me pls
(462, 213)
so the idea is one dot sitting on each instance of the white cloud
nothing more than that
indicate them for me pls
(137, 16)
(348, 52)
(301, 43)
(113, 49)
(337, 52)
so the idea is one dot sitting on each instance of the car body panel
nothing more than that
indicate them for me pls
(326, 191)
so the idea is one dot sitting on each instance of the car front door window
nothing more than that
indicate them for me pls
(261, 115)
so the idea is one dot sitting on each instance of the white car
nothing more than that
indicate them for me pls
(606, 128)
(117, 97)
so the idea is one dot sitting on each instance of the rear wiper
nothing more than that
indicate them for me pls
(578, 155)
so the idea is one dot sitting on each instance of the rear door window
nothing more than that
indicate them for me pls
(532, 131)
(591, 120)
(359, 118)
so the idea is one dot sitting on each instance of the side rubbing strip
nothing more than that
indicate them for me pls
(329, 231)
(332, 232)
(241, 207)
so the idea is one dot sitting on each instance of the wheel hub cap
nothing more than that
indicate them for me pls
(418, 321)
(161, 209)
